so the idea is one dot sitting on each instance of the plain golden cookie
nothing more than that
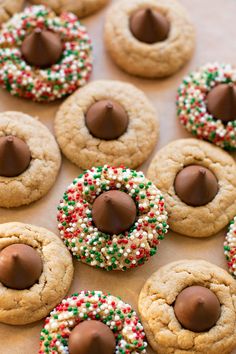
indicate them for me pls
(200, 221)
(41, 174)
(131, 149)
(25, 306)
(81, 8)
(8, 8)
(164, 332)
(156, 60)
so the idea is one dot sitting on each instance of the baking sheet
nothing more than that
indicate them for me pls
(216, 32)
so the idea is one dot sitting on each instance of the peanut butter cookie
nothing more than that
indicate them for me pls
(211, 292)
(21, 303)
(198, 182)
(149, 38)
(107, 122)
(29, 159)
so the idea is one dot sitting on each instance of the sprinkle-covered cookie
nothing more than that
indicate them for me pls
(92, 306)
(96, 235)
(206, 104)
(230, 247)
(43, 56)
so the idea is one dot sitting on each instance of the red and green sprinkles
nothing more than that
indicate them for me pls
(71, 72)
(93, 305)
(192, 107)
(117, 252)
(230, 247)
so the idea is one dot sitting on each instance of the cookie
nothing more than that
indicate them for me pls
(102, 229)
(91, 306)
(44, 57)
(8, 8)
(161, 295)
(127, 145)
(132, 37)
(201, 201)
(31, 304)
(30, 159)
(230, 247)
(206, 104)
(81, 8)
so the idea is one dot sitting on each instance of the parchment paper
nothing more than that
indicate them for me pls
(216, 32)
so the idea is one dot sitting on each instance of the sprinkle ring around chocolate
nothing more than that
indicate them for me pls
(60, 79)
(230, 247)
(93, 305)
(112, 252)
(192, 105)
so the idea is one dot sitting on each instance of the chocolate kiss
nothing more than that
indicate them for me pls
(221, 102)
(107, 120)
(114, 212)
(92, 337)
(196, 185)
(14, 156)
(149, 26)
(197, 308)
(20, 266)
(42, 48)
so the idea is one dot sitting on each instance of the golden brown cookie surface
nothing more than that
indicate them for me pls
(9, 8)
(81, 8)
